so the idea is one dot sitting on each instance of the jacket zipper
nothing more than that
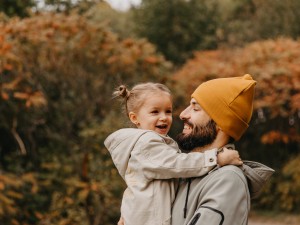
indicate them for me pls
(195, 219)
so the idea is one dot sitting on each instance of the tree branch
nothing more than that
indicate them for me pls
(17, 137)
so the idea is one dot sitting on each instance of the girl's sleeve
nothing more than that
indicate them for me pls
(158, 160)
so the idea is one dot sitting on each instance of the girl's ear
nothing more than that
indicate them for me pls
(133, 118)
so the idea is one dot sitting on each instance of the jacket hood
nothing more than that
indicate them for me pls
(120, 144)
(257, 175)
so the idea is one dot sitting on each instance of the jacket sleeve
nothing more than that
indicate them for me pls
(159, 160)
(225, 201)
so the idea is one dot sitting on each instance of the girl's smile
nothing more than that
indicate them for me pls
(155, 114)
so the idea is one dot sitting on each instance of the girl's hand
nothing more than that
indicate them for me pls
(121, 221)
(229, 157)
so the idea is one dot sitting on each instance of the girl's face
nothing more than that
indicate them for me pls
(155, 113)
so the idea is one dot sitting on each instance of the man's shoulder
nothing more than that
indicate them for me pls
(230, 168)
(227, 179)
(228, 172)
(222, 174)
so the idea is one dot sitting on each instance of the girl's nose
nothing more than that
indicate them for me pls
(163, 117)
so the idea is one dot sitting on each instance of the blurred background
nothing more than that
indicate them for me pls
(60, 61)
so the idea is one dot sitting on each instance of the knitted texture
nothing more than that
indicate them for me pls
(229, 102)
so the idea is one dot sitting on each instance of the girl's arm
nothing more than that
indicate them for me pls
(158, 160)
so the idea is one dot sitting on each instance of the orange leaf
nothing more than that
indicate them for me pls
(12, 85)
(8, 66)
(151, 59)
(2, 186)
(4, 95)
(21, 95)
(38, 215)
(14, 222)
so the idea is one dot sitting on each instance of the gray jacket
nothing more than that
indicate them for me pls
(147, 161)
(220, 198)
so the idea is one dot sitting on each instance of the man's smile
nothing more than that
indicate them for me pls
(187, 128)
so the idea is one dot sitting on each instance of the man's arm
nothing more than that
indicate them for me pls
(226, 200)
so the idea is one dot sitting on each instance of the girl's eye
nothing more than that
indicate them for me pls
(169, 111)
(155, 111)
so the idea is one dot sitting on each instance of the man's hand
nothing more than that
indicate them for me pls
(229, 157)
(121, 221)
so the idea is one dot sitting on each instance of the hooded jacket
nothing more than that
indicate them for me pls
(147, 161)
(220, 198)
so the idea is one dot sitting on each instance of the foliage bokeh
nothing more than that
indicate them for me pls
(57, 76)
(177, 27)
(58, 71)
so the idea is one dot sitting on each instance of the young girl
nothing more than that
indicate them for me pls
(147, 158)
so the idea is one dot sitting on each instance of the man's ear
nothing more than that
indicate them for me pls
(133, 118)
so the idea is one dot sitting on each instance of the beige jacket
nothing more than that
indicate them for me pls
(147, 161)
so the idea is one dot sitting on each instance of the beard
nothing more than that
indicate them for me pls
(199, 137)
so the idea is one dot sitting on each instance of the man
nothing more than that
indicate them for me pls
(219, 112)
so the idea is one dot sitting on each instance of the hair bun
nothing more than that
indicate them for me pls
(123, 91)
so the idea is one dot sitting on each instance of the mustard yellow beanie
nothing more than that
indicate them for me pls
(229, 102)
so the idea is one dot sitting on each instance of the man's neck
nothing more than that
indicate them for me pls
(220, 141)
(207, 147)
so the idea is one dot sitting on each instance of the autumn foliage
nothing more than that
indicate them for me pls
(57, 74)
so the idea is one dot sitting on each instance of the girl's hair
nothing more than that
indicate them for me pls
(134, 98)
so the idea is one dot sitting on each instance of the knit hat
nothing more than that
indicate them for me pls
(229, 102)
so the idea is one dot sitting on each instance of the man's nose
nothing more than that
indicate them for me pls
(184, 114)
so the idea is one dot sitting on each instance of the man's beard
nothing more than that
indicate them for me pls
(199, 137)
